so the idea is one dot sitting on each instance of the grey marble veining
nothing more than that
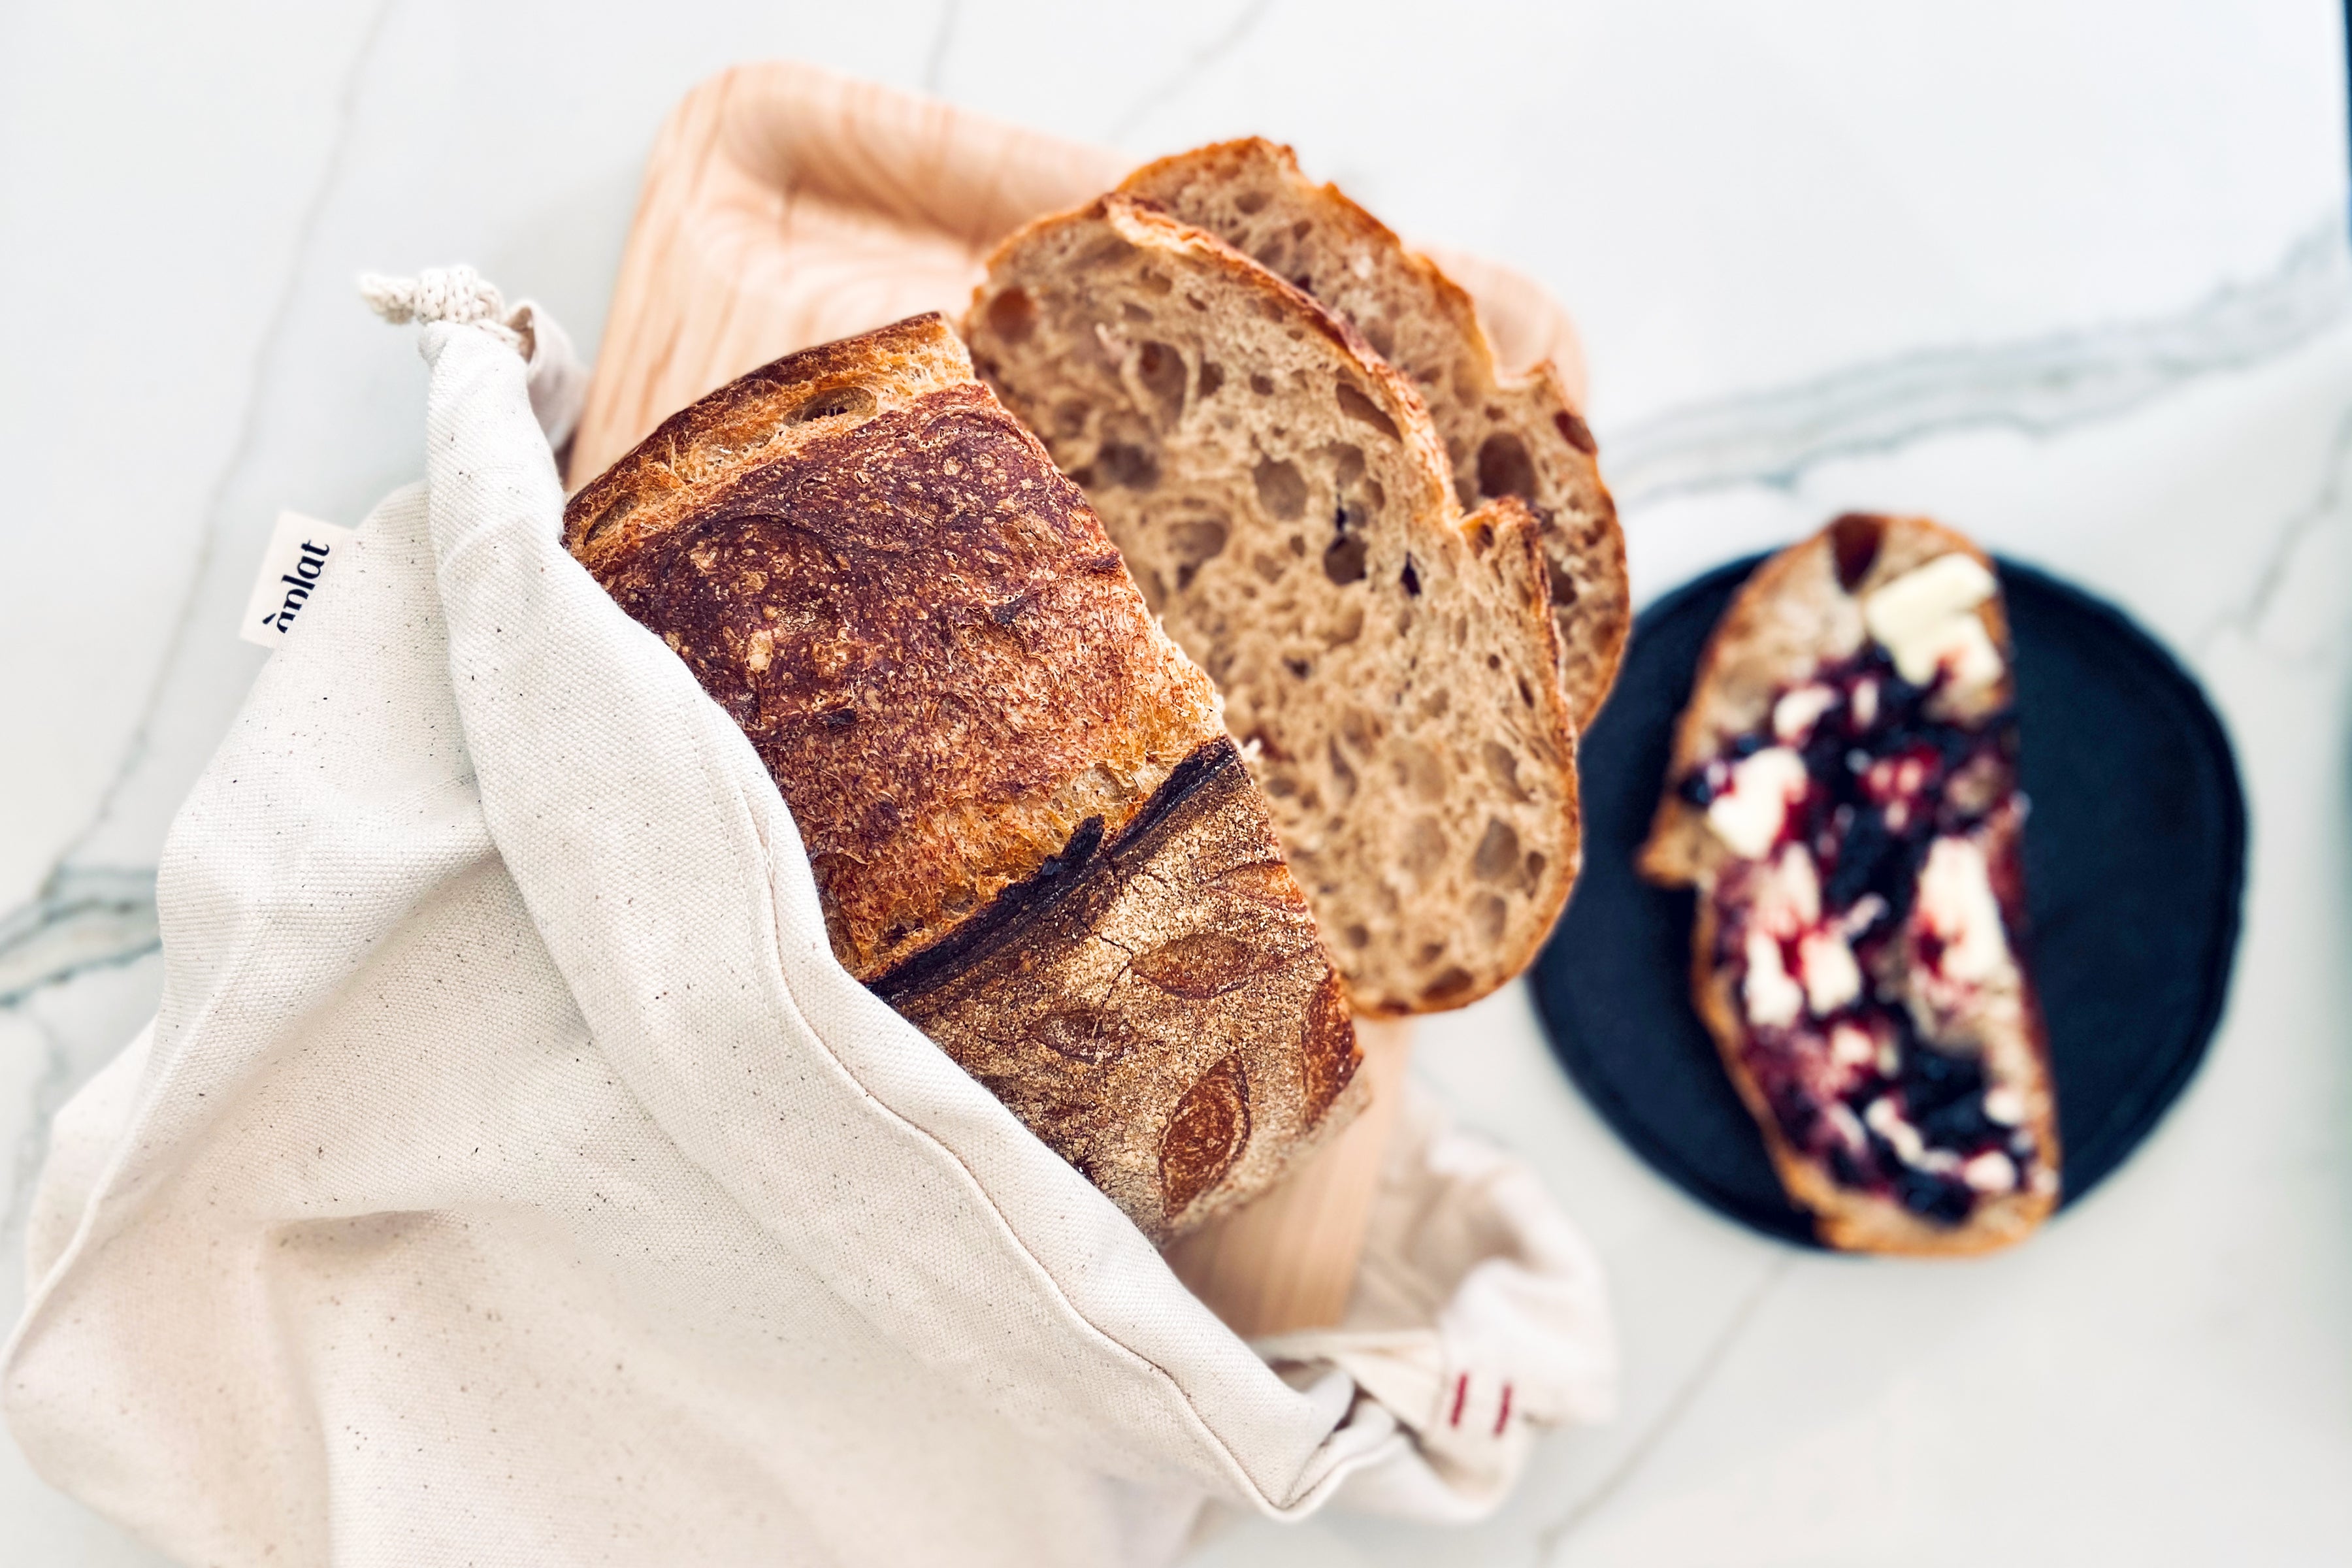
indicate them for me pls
(2288, 612)
(2039, 386)
(83, 918)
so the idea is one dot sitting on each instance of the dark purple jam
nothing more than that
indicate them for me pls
(1856, 1089)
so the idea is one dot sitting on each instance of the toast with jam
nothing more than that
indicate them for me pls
(1844, 798)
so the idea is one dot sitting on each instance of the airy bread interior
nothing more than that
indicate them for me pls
(1284, 502)
(1504, 435)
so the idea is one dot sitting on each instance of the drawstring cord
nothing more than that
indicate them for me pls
(457, 294)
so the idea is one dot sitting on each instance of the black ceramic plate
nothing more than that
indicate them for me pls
(2134, 858)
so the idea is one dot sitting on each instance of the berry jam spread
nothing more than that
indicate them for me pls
(1877, 855)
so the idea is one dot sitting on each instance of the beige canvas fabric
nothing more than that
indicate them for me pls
(511, 1174)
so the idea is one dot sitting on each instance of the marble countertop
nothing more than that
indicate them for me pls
(2073, 278)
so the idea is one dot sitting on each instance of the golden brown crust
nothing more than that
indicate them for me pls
(1006, 777)
(760, 415)
(922, 629)
(1504, 435)
(1799, 610)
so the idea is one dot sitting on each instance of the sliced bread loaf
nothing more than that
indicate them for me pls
(1029, 832)
(1505, 435)
(1844, 796)
(1283, 501)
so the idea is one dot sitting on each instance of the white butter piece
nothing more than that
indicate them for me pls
(1749, 814)
(1832, 977)
(1955, 903)
(1886, 1120)
(1788, 898)
(1927, 620)
(1968, 652)
(1774, 1000)
(1851, 1046)
(1864, 914)
(1794, 716)
(1865, 703)
(1990, 1172)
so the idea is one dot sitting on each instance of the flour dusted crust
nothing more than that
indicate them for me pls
(1029, 831)
(1172, 1029)
(1390, 666)
(1504, 435)
(1800, 613)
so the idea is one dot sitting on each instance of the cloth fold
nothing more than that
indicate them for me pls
(511, 1174)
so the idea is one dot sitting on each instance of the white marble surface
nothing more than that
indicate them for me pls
(2071, 276)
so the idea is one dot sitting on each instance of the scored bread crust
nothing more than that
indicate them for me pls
(1012, 785)
(1280, 494)
(1096, 957)
(1792, 615)
(1504, 435)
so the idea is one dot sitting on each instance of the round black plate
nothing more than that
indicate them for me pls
(2135, 859)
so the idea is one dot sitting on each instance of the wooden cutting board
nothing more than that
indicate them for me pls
(784, 205)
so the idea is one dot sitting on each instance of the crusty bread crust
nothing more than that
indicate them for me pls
(949, 670)
(1281, 495)
(1791, 617)
(1028, 830)
(1504, 435)
(1179, 1124)
(764, 413)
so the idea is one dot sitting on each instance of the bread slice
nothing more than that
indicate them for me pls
(1283, 501)
(1844, 796)
(1505, 435)
(1028, 830)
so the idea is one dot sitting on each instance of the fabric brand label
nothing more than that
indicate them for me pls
(301, 551)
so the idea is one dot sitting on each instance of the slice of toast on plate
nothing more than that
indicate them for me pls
(1844, 797)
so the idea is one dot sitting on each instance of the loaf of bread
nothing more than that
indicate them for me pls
(1391, 668)
(1504, 435)
(1843, 796)
(1029, 831)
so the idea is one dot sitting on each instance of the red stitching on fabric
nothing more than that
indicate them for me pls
(1461, 1392)
(1503, 1419)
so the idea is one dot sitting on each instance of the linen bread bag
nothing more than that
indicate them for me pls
(512, 1170)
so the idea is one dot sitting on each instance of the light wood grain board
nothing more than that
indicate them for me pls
(784, 206)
